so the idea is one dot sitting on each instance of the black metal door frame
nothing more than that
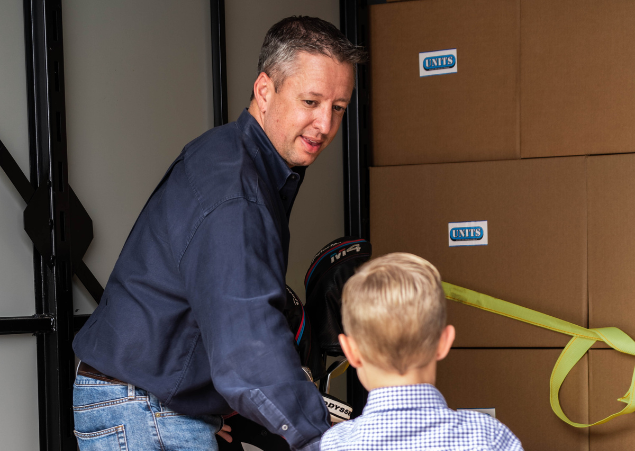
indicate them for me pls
(356, 131)
(53, 218)
(61, 230)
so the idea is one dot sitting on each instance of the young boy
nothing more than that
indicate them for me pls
(393, 312)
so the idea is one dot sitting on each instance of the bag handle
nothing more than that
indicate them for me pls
(582, 339)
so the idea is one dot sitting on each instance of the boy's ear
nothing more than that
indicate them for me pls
(263, 86)
(350, 350)
(445, 342)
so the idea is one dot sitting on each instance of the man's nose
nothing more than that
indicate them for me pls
(323, 118)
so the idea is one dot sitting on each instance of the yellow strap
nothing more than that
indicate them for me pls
(582, 339)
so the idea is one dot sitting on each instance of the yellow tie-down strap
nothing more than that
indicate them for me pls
(582, 339)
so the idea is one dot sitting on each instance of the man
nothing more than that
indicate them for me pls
(189, 326)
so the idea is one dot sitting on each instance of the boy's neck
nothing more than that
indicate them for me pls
(375, 377)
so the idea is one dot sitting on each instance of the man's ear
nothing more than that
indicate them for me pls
(445, 342)
(263, 87)
(350, 350)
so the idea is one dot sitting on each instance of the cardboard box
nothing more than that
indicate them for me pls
(611, 186)
(516, 384)
(536, 254)
(577, 77)
(470, 115)
(610, 374)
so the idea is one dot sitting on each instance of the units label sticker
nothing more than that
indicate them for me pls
(471, 233)
(439, 62)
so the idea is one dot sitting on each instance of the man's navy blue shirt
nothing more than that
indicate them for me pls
(192, 309)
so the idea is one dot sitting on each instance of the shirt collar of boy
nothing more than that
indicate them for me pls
(404, 397)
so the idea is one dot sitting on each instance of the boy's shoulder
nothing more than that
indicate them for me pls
(422, 420)
(339, 435)
(496, 435)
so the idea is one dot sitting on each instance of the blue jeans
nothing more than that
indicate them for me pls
(117, 417)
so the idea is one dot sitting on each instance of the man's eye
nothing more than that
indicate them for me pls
(339, 109)
(310, 102)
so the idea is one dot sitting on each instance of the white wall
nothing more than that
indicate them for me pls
(16, 252)
(18, 372)
(138, 88)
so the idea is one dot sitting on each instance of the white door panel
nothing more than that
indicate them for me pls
(138, 88)
(16, 251)
(19, 425)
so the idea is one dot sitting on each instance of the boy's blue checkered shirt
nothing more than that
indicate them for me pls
(416, 417)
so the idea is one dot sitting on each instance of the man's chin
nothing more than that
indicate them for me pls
(308, 161)
(302, 158)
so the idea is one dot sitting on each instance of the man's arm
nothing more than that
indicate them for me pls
(234, 272)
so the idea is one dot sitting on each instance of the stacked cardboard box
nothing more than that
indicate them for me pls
(577, 77)
(536, 256)
(512, 383)
(530, 80)
(537, 250)
(611, 185)
(610, 374)
(611, 192)
(410, 117)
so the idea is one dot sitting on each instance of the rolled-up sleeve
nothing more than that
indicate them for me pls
(234, 269)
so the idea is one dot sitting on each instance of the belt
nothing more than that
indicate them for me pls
(88, 371)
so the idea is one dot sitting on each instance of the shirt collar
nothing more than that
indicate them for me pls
(404, 397)
(278, 168)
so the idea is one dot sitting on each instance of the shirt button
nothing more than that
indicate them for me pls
(294, 177)
(285, 427)
(283, 197)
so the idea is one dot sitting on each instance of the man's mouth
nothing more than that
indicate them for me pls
(313, 143)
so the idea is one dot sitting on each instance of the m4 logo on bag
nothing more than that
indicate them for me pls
(439, 62)
(343, 252)
(472, 233)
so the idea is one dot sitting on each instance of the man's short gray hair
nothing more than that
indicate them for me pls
(303, 34)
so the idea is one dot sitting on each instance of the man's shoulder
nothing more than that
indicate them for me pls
(218, 166)
(217, 145)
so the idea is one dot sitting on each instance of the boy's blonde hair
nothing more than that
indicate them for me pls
(394, 308)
